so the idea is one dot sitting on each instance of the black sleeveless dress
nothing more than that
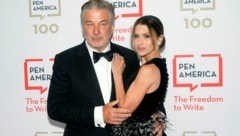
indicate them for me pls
(141, 123)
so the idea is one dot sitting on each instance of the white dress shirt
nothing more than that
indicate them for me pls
(103, 71)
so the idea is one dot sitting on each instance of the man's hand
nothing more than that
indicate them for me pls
(159, 126)
(112, 115)
(158, 129)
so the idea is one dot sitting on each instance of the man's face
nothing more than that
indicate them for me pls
(97, 28)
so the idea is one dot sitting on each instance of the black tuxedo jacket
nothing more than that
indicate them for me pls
(74, 89)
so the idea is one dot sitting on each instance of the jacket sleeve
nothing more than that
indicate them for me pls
(59, 105)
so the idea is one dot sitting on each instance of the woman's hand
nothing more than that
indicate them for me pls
(118, 64)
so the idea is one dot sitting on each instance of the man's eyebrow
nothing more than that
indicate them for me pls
(94, 21)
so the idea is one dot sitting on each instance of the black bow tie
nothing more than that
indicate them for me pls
(107, 55)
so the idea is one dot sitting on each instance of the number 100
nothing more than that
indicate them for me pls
(43, 28)
(196, 23)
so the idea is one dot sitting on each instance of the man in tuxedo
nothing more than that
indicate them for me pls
(81, 92)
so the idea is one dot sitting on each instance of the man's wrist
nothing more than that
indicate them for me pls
(98, 117)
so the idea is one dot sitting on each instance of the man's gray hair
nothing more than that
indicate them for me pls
(98, 4)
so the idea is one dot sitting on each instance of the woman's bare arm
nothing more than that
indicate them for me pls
(146, 81)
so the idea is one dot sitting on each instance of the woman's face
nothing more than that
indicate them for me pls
(142, 40)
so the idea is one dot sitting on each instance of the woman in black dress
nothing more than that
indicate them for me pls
(146, 94)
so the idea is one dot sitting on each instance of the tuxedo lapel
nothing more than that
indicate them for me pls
(88, 74)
